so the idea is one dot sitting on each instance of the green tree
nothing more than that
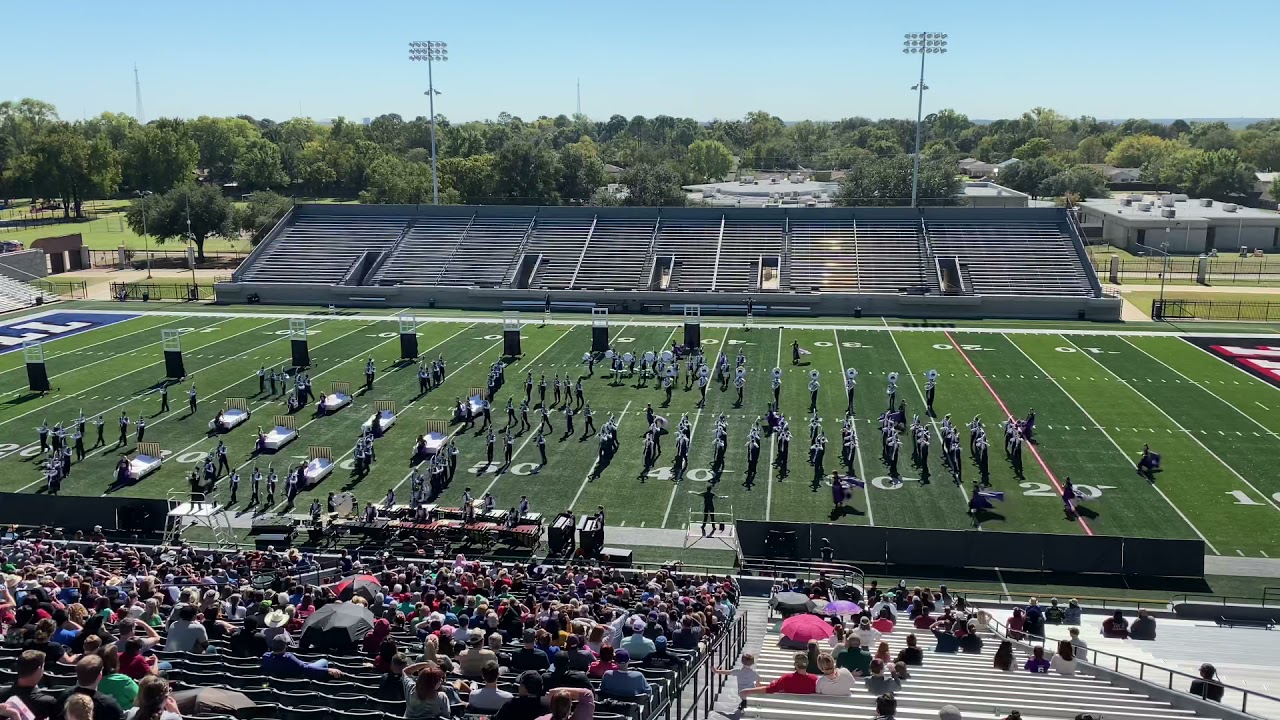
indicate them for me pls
(25, 120)
(395, 181)
(652, 185)
(221, 140)
(887, 181)
(947, 124)
(1036, 147)
(582, 170)
(1261, 150)
(709, 160)
(1080, 181)
(1217, 174)
(527, 172)
(210, 214)
(1212, 136)
(472, 178)
(1138, 150)
(1028, 176)
(389, 131)
(157, 158)
(115, 127)
(1092, 150)
(61, 163)
(259, 166)
(263, 210)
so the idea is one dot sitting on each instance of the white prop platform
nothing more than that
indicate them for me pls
(316, 470)
(388, 419)
(334, 402)
(435, 441)
(229, 419)
(141, 466)
(278, 436)
(478, 404)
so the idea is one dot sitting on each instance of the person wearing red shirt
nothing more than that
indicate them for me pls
(793, 683)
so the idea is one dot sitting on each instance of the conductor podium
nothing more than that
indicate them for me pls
(599, 329)
(408, 337)
(298, 343)
(37, 375)
(511, 334)
(171, 341)
(692, 326)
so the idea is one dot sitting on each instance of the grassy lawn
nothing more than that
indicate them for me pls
(1143, 298)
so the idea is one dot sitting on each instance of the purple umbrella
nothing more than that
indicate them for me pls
(842, 607)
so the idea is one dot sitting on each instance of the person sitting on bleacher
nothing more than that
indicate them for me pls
(688, 636)
(472, 661)
(424, 699)
(797, 682)
(624, 683)
(661, 658)
(529, 657)
(854, 658)
(26, 687)
(1115, 626)
(488, 699)
(878, 683)
(1144, 628)
(634, 642)
(279, 662)
(911, 654)
(576, 656)
(1208, 687)
(834, 679)
(571, 704)
(527, 704)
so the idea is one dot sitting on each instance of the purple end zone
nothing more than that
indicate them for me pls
(1260, 356)
(53, 325)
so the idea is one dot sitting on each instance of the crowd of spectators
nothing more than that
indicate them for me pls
(509, 640)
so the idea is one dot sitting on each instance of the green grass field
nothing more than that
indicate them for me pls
(1098, 394)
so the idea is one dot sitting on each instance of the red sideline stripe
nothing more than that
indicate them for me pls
(1043, 465)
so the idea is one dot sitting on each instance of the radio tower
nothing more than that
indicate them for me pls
(137, 97)
(579, 96)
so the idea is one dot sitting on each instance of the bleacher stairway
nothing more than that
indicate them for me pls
(967, 681)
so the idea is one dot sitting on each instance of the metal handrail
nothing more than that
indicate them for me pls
(1092, 656)
(702, 679)
(1268, 593)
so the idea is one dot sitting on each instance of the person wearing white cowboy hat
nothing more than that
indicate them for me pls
(274, 624)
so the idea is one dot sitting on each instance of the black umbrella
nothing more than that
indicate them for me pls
(337, 626)
(790, 603)
(365, 586)
(212, 700)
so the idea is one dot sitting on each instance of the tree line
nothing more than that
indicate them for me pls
(562, 159)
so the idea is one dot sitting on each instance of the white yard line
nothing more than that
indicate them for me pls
(906, 368)
(104, 342)
(595, 462)
(862, 470)
(137, 369)
(1176, 424)
(1113, 442)
(1203, 386)
(693, 432)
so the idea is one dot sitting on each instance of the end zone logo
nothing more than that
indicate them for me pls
(53, 325)
(1259, 357)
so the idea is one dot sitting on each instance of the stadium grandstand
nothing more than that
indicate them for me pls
(957, 262)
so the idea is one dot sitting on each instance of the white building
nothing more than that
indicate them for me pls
(1189, 225)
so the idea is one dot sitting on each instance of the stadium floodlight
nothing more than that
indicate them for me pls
(431, 52)
(922, 44)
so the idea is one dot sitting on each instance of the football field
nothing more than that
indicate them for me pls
(1099, 393)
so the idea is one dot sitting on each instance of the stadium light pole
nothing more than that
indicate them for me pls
(922, 44)
(146, 244)
(430, 51)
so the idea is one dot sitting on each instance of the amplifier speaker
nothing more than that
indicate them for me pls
(617, 557)
(277, 540)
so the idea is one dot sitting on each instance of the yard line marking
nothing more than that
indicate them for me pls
(595, 462)
(693, 432)
(1264, 407)
(1120, 450)
(1264, 553)
(906, 366)
(103, 342)
(773, 441)
(531, 435)
(1005, 588)
(1034, 452)
(862, 470)
(1191, 435)
(1242, 413)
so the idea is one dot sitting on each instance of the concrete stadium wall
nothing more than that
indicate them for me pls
(24, 265)
(638, 302)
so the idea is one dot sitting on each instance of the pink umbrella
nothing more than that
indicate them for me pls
(803, 628)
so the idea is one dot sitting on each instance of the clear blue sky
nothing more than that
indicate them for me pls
(818, 59)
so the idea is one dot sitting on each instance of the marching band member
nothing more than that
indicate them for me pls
(99, 423)
(192, 399)
(783, 452)
(489, 440)
(235, 485)
(795, 352)
(930, 386)
(43, 433)
(740, 382)
(508, 445)
(523, 508)
(124, 429)
(370, 370)
(568, 421)
(542, 390)
(850, 390)
(813, 394)
(164, 397)
(272, 480)
(892, 392)
(141, 427)
(541, 441)
(555, 387)
(255, 481)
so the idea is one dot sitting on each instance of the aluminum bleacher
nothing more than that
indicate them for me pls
(693, 244)
(15, 294)
(322, 248)
(1012, 258)
(615, 257)
(559, 241)
(487, 252)
(742, 247)
(423, 253)
(856, 256)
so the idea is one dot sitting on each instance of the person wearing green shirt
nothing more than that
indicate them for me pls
(120, 687)
(855, 658)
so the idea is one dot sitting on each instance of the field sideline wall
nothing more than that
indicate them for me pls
(638, 301)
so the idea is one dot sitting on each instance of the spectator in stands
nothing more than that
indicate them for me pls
(279, 662)
(900, 671)
(1115, 626)
(1208, 686)
(661, 658)
(1054, 613)
(576, 656)
(745, 674)
(133, 663)
(88, 676)
(811, 653)
(834, 679)
(688, 636)
(1077, 642)
(949, 712)
(854, 658)
(922, 620)
(886, 707)
(119, 686)
(1016, 622)
(249, 641)
(605, 663)
(527, 704)
(571, 704)
(372, 643)
(878, 683)
(1063, 662)
(155, 702)
(623, 683)
(185, 634)
(431, 653)
(797, 682)
(596, 639)
(424, 699)
(473, 659)
(41, 642)
(1144, 627)
(391, 686)
(30, 669)
(1034, 625)
(882, 653)
(866, 634)
(1072, 615)
(78, 707)
(634, 642)
(530, 657)
(1003, 659)
(911, 654)
(1037, 664)
(488, 700)
(970, 642)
